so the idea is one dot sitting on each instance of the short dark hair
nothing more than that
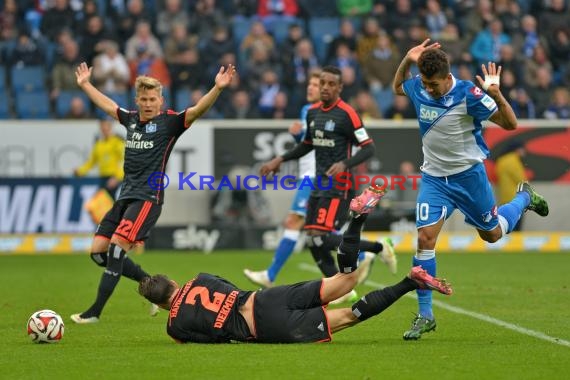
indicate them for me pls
(157, 289)
(333, 70)
(434, 62)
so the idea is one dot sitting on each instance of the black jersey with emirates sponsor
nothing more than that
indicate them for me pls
(205, 310)
(333, 131)
(147, 149)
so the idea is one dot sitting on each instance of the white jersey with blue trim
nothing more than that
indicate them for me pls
(450, 126)
(307, 162)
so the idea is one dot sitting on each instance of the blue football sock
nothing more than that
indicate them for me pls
(513, 210)
(284, 250)
(426, 259)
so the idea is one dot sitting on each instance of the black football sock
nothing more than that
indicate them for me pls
(322, 255)
(132, 270)
(348, 249)
(108, 282)
(375, 247)
(99, 258)
(379, 300)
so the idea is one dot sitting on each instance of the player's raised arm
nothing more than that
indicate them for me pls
(83, 74)
(223, 79)
(411, 57)
(504, 116)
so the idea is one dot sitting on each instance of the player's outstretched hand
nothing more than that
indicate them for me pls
(270, 167)
(492, 80)
(83, 73)
(224, 76)
(415, 52)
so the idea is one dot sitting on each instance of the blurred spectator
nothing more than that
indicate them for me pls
(220, 44)
(92, 40)
(345, 57)
(365, 105)
(60, 16)
(401, 18)
(77, 109)
(183, 58)
(10, 21)
(295, 33)
(267, 91)
(111, 72)
(454, 45)
(271, 10)
(510, 60)
(416, 34)
(244, 8)
(560, 51)
(173, 13)
(400, 109)
(281, 108)
(541, 93)
(90, 9)
(477, 19)
(522, 105)
(195, 96)
(553, 18)
(559, 107)
(316, 8)
(465, 72)
(63, 74)
(240, 107)
(143, 39)
(435, 18)
(26, 52)
(296, 72)
(127, 22)
(486, 46)
(510, 14)
(351, 82)
(352, 8)
(258, 63)
(206, 19)
(367, 40)
(538, 60)
(257, 35)
(528, 39)
(346, 36)
(508, 84)
(148, 64)
(381, 63)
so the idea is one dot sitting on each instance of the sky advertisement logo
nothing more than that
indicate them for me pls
(342, 181)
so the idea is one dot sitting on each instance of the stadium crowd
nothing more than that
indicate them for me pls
(275, 44)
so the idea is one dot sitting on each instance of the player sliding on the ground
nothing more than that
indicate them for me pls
(210, 309)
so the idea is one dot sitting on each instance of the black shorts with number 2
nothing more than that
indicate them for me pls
(129, 219)
(326, 214)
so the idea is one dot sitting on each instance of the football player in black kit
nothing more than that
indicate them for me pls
(151, 135)
(210, 309)
(333, 127)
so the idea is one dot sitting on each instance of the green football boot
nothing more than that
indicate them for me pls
(420, 325)
(537, 202)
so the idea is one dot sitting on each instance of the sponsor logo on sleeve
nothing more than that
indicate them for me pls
(361, 135)
(489, 103)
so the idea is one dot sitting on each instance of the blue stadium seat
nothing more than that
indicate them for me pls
(182, 99)
(322, 32)
(28, 79)
(384, 99)
(240, 28)
(63, 102)
(280, 28)
(2, 78)
(4, 105)
(33, 105)
(122, 99)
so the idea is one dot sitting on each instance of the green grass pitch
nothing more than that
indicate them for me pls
(515, 293)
